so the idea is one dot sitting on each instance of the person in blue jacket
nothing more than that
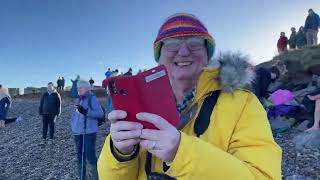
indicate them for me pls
(311, 28)
(89, 110)
(301, 38)
(74, 89)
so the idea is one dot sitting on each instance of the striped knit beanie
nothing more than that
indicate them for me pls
(183, 25)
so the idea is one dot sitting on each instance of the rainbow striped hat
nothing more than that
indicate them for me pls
(182, 25)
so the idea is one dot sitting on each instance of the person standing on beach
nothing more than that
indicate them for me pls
(108, 73)
(59, 87)
(62, 83)
(74, 88)
(91, 81)
(50, 109)
(87, 111)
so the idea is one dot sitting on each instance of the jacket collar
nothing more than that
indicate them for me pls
(231, 72)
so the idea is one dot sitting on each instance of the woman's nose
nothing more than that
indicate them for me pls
(184, 50)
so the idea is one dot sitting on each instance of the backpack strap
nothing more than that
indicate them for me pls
(152, 175)
(147, 167)
(203, 120)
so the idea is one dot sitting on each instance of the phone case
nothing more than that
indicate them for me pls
(149, 91)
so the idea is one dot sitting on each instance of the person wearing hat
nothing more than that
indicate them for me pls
(233, 141)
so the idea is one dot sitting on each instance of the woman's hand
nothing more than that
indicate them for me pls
(162, 143)
(125, 135)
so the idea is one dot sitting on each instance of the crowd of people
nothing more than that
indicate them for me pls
(60, 84)
(308, 107)
(84, 122)
(306, 36)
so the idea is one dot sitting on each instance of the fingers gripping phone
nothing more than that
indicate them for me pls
(149, 91)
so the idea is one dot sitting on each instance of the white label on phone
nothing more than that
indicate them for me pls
(155, 76)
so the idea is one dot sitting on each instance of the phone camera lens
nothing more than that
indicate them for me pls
(123, 92)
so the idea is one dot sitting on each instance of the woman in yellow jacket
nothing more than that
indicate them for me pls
(233, 142)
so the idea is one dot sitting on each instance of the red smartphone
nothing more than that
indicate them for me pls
(149, 91)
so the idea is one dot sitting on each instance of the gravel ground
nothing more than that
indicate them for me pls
(22, 156)
(305, 162)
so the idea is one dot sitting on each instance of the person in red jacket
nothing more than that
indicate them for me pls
(282, 43)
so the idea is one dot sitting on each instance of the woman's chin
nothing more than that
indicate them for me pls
(184, 76)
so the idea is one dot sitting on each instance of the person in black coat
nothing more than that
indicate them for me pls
(50, 109)
(62, 83)
(264, 77)
(91, 81)
(59, 84)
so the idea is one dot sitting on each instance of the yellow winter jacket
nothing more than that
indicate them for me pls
(238, 143)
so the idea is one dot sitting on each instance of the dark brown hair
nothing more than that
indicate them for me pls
(275, 71)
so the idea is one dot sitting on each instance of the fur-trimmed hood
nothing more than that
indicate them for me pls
(228, 72)
(235, 71)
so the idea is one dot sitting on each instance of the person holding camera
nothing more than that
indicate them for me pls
(84, 122)
(227, 137)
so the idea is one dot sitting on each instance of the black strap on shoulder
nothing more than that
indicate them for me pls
(203, 120)
(148, 163)
(154, 175)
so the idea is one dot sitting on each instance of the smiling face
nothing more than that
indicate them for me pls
(184, 58)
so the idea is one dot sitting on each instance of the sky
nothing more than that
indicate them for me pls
(41, 40)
